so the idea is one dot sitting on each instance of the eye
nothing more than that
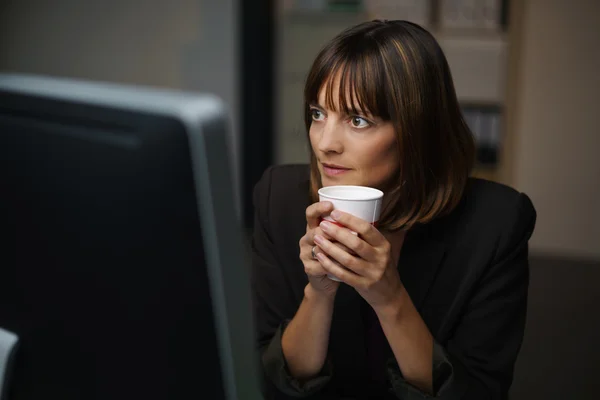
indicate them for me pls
(359, 122)
(317, 115)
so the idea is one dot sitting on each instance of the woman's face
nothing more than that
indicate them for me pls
(352, 149)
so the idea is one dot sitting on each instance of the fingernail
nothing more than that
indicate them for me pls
(321, 256)
(335, 214)
(325, 225)
(318, 239)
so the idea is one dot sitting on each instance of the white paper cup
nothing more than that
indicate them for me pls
(361, 201)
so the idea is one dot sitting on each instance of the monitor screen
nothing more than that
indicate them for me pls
(122, 268)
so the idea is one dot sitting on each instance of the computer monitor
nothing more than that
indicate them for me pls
(122, 265)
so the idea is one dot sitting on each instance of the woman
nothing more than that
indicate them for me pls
(433, 299)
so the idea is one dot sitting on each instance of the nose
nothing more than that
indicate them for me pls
(330, 138)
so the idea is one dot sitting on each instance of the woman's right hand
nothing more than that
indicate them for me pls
(317, 276)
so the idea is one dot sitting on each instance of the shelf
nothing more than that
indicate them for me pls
(477, 57)
(349, 18)
(307, 17)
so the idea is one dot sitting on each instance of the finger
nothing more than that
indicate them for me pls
(351, 241)
(308, 238)
(306, 250)
(315, 211)
(335, 253)
(365, 229)
(341, 246)
(335, 269)
(314, 268)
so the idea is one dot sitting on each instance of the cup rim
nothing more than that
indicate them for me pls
(376, 194)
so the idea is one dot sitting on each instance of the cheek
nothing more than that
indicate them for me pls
(379, 151)
(379, 161)
(383, 160)
(312, 137)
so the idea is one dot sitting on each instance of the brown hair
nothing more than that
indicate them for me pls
(396, 70)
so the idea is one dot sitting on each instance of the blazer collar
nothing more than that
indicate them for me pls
(420, 258)
(422, 254)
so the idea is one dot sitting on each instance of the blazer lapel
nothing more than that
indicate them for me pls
(420, 258)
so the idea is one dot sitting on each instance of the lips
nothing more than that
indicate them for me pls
(334, 169)
(333, 166)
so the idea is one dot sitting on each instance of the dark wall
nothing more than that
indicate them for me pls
(257, 99)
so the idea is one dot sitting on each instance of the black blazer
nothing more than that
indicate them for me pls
(467, 274)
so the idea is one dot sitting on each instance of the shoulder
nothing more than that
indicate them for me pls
(282, 176)
(282, 193)
(491, 200)
(288, 180)
(490, 213)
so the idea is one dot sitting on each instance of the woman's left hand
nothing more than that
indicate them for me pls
(371, 270)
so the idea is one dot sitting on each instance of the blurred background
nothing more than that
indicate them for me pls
(527, 74)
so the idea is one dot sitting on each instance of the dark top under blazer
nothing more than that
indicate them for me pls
(467, 274)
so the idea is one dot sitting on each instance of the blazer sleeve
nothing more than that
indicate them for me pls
(273, 305)
(478, 361)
